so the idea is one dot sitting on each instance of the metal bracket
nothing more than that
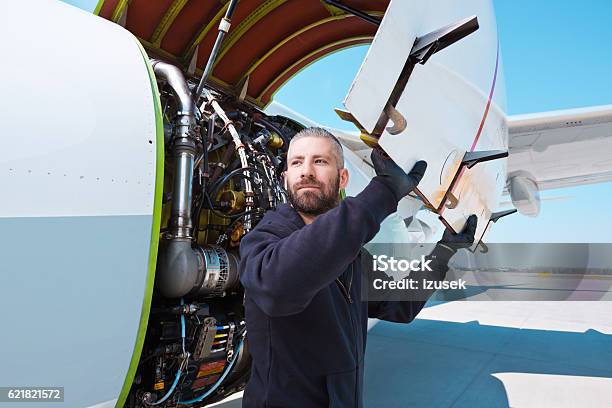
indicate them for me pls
(408, 221)
(427, 45)
(422, 49)
(243, 89)
(483, 247)
(348, 116)
(500, 214)
(470, 159)
(205, 338)
(451, 201)
(399, 122)
(493, 218)
(230, 336)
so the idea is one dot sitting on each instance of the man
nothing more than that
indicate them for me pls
(301, 270)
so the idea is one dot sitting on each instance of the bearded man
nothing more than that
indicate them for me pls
(301, 269)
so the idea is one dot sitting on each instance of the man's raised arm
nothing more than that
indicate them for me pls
(282, 269)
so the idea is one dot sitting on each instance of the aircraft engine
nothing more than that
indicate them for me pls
(525, 194)
(223, 160)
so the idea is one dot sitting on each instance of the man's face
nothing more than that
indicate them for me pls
(313, 178)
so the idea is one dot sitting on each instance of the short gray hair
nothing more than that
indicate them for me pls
(325, 134)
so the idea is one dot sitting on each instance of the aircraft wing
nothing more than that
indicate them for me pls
(561, 148)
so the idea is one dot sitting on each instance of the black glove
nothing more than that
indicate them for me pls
(451, 242)
(392, 175)
(463, 239)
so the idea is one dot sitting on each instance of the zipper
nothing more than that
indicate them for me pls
(347, 295)
(346, 292)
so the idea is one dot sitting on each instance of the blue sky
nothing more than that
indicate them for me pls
(557, 55)
(88, 5)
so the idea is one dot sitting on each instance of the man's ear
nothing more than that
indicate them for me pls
(344, 178)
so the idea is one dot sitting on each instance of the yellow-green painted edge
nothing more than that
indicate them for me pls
(119, 10)
(167, 20)
(98, 7)
(333, 11)
(281, 43)
(157, 210)
(246, 24)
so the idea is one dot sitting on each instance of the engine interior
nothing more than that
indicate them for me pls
(223, 160)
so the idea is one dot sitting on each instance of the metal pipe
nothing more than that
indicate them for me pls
(181, 196)
(224, 26)
(184, 149)
(175, 78)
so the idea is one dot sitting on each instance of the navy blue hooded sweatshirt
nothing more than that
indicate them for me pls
(306, 324)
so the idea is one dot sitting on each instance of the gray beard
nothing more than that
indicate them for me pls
(316, 202)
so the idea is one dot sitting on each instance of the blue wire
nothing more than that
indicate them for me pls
(170, 391)
(179, 372)
(219, 381)
(183, 327)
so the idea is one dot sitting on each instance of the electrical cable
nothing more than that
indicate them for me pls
(275, 128)
(183, 327)
(231, 216)
(219, 381)
(179, 372)
(235, 173)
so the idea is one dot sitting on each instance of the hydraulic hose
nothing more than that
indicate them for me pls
(219, 381)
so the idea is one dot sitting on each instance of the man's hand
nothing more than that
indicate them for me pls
(451, 243)
(463, 239)
(394, 177)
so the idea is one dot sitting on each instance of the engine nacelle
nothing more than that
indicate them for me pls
(525, 194)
